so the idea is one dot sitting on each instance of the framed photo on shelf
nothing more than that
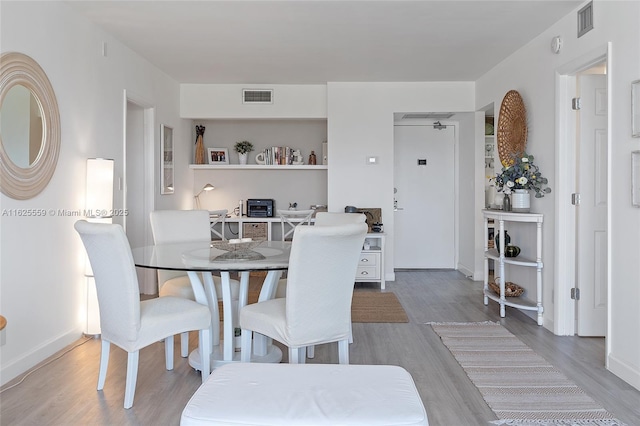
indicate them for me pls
(166, 160)
(218, 155)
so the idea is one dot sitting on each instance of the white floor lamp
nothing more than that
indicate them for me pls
(98, 208)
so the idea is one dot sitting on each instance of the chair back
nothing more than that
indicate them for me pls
(333, 218)
(322, 270)
(215, 217)
(293, 219)
(178, 226)
(116, 280)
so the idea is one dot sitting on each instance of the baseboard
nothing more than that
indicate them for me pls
(467, 272)
(390, 276)
(25, 362)
(623, 370)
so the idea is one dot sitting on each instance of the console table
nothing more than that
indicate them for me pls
(498, 256)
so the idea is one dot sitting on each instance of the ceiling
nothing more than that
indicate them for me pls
(314, 42)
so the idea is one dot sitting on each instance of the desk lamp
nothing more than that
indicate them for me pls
(208, 187)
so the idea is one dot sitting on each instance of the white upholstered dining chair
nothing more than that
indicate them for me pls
(175, 226)
(317, 308)
(336, 218)
(127, 322)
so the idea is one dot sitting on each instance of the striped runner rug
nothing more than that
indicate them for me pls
(520, 386)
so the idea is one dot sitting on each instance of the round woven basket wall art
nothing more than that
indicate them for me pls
(512, 128)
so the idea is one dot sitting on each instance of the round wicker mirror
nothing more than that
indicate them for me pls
(37, 114)
(512, 128)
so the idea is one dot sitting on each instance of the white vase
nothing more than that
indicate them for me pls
(242, 158)
(521, 201)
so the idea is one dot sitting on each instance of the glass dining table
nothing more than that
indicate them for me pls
(198, 260)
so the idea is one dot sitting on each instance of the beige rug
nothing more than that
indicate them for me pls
(520, 386)
(367, 306)
(371, 306)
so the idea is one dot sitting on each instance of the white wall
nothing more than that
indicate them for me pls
(531, 71)
(470, 157)
(360, 124)
(42, 259)
(225, 101)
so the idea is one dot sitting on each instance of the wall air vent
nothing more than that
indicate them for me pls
(257, 96)
(585, 19)
(428, 115)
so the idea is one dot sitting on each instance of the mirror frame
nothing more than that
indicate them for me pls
(22, 183)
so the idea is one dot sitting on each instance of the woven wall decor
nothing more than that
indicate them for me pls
(512, 128)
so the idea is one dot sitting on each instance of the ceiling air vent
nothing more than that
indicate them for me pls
(257, 96)
(585, 19)
(428, 115)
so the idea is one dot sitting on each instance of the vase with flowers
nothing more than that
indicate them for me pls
(518, 179)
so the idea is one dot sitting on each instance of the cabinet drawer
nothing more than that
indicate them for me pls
(368, 273)
(369, 259)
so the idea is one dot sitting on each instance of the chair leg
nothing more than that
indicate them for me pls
(132, 377)
(246, 337)
(168, 352)
(184, 344)
(104, 363)
(343, 351)
(311, 351)
(297, 355)
(205, 356)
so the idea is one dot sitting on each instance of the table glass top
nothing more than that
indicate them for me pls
(215, 256)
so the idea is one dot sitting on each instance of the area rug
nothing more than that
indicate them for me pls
(371, 306)
(368, 306)
(520, 386)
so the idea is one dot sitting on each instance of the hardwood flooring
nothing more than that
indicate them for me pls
(63, 392)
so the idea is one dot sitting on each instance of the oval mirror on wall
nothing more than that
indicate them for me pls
(29, 127)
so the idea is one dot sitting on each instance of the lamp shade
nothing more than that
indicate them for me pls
(98, 208)
(99, 201)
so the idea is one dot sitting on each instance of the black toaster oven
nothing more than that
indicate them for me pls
(260, 207)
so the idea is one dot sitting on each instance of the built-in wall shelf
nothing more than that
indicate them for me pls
(255, 167)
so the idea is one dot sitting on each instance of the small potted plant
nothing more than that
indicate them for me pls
(243, 148)
(519, 178)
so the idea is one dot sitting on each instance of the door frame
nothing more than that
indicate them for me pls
(565, 169)
(149, 154)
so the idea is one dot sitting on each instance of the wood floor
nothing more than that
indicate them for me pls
(64, 391)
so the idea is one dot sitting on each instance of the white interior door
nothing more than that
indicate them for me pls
(591, 235)
(425, 197)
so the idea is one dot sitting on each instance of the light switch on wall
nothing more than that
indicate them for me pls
(372, 160)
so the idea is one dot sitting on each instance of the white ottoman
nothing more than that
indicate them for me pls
(306, 394)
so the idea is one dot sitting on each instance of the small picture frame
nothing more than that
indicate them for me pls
(166, 160)
(635, 109)
(218, 155)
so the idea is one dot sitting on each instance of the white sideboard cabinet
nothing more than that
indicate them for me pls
(500, 218)
(371, 263)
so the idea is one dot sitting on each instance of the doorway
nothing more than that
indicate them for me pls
(138, 182)
(583, 168)
(591, 211)
(424, 198)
